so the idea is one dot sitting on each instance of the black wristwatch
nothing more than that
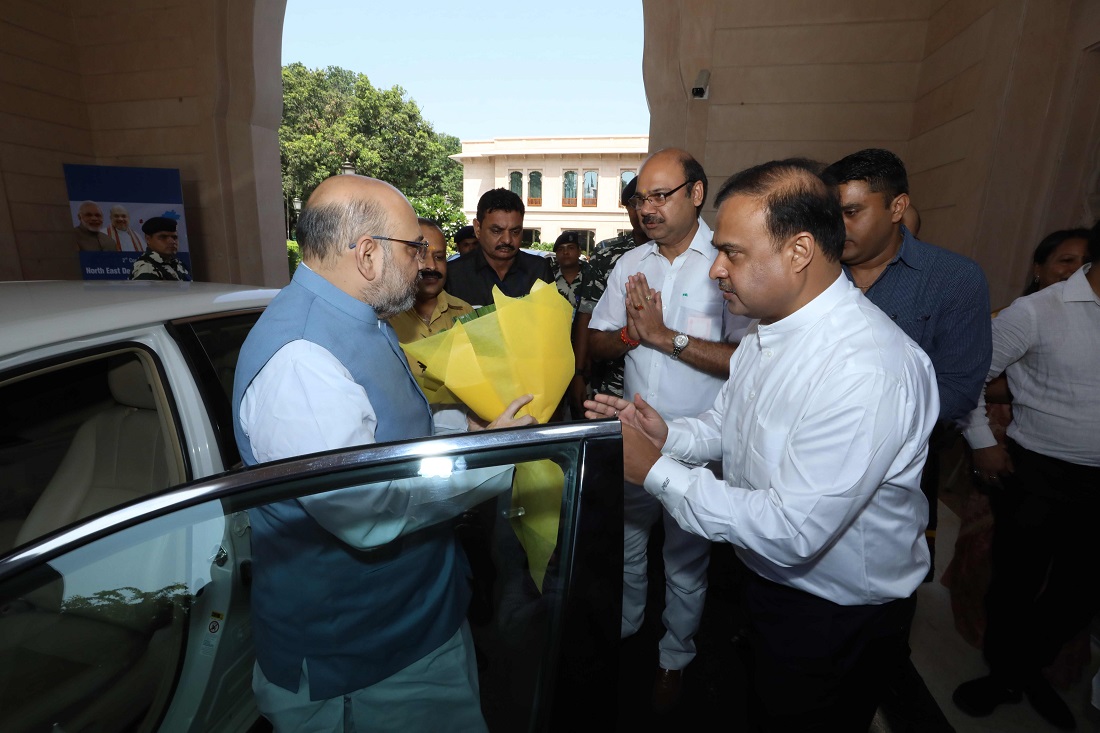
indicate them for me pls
(679, 343)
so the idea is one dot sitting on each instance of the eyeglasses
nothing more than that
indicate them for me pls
(420, 247)
(657, 199)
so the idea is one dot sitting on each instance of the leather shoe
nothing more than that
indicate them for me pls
(666, 689)
(1049, 704)
(979, 697)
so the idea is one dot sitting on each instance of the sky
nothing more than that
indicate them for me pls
(481, 71)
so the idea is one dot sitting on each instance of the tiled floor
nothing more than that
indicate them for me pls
(715, 685)
(945, 660)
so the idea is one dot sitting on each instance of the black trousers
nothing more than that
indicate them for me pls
(1044, 587)
(817, 665)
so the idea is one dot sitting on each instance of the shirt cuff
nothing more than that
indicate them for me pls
(979, 436)
(668, 480)
(678, 443)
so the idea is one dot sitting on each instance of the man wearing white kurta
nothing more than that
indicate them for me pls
(677, 346)
(822, 430)
(346, 640)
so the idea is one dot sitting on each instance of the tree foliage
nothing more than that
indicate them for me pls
(331, 115)
(450, 216)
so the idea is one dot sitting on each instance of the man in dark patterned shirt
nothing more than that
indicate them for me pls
(604, 376)
(498, 261)
(939, 298)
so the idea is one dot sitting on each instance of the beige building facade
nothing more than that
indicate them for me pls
(566, 183)
(187, 84)
(993, 105)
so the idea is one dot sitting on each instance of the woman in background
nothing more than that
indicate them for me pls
(1058, 256)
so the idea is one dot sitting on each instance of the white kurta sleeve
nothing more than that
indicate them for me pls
(305, 401)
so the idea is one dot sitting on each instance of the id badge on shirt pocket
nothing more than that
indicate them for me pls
(699, 317)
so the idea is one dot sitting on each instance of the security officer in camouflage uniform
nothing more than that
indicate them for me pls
(604, 376)
(161, 245)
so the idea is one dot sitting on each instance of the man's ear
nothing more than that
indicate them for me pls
(802, 250)
(477, 230)
(898, 207)
(697, 193)
(368, 257)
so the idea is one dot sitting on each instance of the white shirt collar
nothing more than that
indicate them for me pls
(1078, 289)
(809, 314)
(700, 243)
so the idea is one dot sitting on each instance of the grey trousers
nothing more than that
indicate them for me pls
(436, 693)
(686, 557)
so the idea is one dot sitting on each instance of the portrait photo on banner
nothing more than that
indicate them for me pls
(118, 213)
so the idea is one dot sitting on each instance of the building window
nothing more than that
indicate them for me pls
(625, 177)
(569, 188)
(515, 183)
(530, 236)
(591, 181)
(534, 188)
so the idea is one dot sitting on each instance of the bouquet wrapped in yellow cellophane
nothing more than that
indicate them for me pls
(520, 348)
(485, 362)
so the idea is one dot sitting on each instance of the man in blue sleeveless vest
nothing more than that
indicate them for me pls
(346, 639)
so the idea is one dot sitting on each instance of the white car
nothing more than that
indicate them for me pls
(125, 556)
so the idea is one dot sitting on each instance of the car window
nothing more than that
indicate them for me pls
(82, 435)
(211, 345)
(148, 626)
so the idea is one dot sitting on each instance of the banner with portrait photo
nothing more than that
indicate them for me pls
(110, 205)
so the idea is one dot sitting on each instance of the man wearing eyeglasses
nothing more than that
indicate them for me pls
(349, 639)
(498, 261)
(677, 337)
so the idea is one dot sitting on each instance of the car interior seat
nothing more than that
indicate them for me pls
(104, 662)
(117, 455)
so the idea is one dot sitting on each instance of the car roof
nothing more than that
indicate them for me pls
(41, 312)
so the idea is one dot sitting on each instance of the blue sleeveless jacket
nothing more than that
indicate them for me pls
(356, 616)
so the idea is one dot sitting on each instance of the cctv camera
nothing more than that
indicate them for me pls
(702, 85)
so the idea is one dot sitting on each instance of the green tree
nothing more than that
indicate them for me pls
(450, 216)
(331, 115)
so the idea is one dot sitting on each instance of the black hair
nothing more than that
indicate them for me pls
(1094, 242)
(795, 200)
(498, 199)
(1051, 241)
(426, 222)
(693, 171)
(629, 190)
(882, 170)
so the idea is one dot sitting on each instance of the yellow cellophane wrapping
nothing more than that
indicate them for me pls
(522, 347)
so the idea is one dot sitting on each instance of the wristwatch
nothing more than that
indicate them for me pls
(679, 343)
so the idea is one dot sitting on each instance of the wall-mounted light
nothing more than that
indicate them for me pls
(701, 88)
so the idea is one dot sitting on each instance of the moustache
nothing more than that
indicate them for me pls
(652, 219)
(432, 274)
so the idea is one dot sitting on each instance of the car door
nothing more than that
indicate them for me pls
(116, 623)
(90, 425)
